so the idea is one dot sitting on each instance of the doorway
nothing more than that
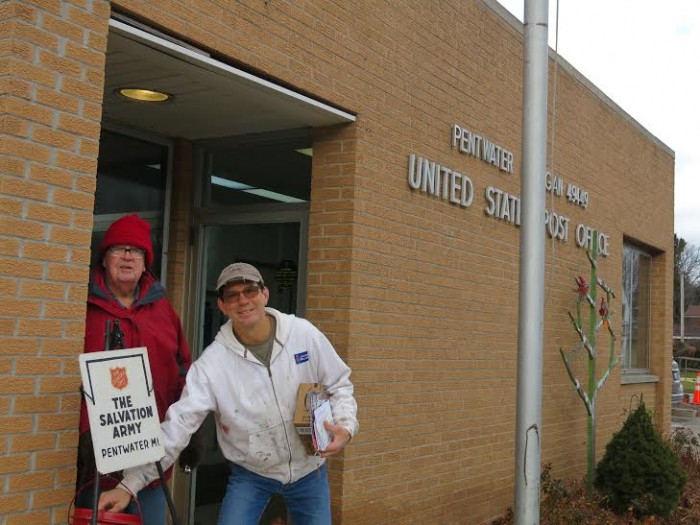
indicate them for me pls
(275, 249)
(254, 208)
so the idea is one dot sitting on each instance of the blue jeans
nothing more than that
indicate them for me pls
(154, 506)
(308, 500)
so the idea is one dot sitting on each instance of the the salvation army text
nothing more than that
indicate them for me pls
(125, 418)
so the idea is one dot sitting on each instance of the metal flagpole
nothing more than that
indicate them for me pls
(532, 234)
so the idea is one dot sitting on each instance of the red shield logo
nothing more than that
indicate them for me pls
(119, 377)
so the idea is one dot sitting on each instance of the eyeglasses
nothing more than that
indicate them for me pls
(249, 292)
(120, 251)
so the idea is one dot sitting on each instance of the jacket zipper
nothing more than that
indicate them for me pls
(284, 425)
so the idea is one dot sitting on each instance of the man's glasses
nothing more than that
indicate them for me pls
(120, 251)
(249, 292)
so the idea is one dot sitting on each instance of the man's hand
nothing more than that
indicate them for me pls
(114, 500)
(340, 438)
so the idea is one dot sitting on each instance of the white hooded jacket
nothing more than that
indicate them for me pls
(253, 405)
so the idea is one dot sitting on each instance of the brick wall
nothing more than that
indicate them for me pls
(418, 295)
(53, 70)
(330, 256)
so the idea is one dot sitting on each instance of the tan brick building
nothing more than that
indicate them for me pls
(303, 136)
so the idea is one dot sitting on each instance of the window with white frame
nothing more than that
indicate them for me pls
(636, 307)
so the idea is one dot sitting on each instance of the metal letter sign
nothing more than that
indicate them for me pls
(124, 422)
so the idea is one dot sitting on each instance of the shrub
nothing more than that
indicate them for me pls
(639, 470)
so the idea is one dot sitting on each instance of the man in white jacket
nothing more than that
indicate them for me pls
(249, 377)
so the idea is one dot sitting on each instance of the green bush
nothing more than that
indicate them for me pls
(639, 470)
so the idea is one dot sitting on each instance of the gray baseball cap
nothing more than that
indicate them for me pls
(238, 272)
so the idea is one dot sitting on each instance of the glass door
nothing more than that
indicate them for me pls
(277, 249)
(251, 205)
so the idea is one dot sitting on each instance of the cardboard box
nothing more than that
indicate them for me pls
(302, 416)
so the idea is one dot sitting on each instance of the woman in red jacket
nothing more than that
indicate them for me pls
(127, 308)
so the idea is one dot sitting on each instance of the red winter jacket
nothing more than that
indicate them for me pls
(150, 321)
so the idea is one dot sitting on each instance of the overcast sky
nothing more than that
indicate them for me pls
(644, 55)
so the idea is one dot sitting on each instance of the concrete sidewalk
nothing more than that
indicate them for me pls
(686, 416)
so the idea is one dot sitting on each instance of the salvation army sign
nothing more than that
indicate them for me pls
(124, 423)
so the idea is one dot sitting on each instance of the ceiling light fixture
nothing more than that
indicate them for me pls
(260, 192)
(144, 95)
(309, 152)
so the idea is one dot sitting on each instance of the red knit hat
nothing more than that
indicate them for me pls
(130, 230)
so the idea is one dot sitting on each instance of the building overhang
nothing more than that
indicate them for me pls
(211, 99)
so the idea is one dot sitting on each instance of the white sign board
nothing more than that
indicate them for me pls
(121, 404)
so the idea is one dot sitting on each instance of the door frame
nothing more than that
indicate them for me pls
(260, 214)
(240, 215)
